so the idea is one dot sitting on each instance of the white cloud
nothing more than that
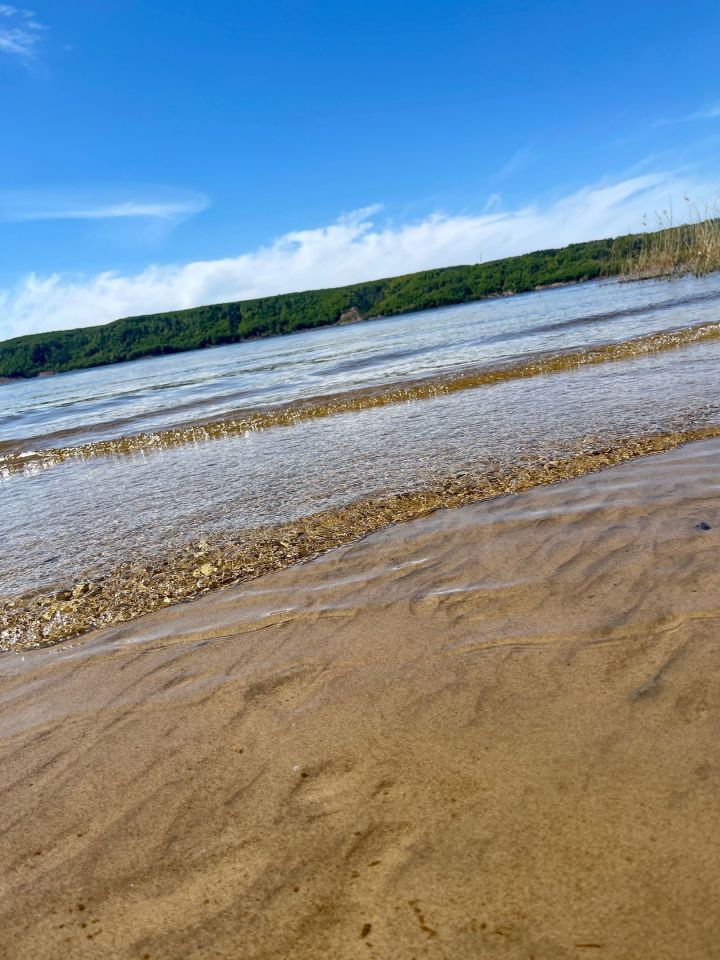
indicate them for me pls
(352, 249)
(17, 206)
(20, 32)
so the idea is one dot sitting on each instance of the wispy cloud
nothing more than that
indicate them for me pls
(521, 159)
(709, 112)
(356, 247)
(18, 206)
(20, 32)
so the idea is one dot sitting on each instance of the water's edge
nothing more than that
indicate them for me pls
(46, 617)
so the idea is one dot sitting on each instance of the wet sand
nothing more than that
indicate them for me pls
(143, 585)
(488, 733)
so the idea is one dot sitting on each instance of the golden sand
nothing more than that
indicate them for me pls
(488, 733)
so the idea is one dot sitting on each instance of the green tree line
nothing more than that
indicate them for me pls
(162, 333)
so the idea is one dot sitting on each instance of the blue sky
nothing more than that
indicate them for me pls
(159, 155)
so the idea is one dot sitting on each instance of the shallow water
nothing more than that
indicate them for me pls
(416, 401)
(162, 392)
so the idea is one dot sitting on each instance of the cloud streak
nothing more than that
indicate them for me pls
(710, 111)
(20, 206)
(20, 32)
(518, 162)
(356, 247)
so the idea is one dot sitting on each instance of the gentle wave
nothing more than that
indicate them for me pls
(136, 588)
(247, 421)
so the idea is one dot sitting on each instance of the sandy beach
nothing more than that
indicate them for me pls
(488, 733)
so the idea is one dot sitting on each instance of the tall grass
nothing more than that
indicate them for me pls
(692, 247)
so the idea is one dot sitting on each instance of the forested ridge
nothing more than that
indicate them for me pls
(161, 333)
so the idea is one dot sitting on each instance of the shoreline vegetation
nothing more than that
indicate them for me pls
(669, 251)
(675, 251)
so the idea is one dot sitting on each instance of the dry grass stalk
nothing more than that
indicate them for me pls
(692, 247)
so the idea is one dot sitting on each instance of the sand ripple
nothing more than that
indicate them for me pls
(487, 733)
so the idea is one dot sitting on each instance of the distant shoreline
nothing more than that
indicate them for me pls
(340, 322)
(667, 253)
(196, 328)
